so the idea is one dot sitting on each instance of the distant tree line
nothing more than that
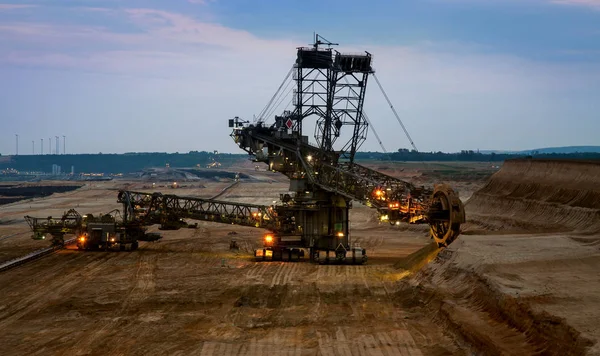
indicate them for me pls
(404, 154)
(134, 162)
(116, 163)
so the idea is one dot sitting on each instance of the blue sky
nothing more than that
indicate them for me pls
(147, 75)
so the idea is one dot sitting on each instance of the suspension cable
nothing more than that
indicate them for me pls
(374, 132)
(395, 113)
(260, 116)
(280, 98)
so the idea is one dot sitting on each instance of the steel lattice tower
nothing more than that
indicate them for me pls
(331, 86)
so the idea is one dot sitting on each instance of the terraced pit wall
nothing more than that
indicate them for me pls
(538, 195)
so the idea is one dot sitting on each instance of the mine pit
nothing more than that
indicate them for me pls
(502, 288)
(306, 249)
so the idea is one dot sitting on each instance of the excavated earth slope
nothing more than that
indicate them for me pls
(529, 195)
(522, 279)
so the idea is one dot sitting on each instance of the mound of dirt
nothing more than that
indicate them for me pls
(538, 195)
(487, 321)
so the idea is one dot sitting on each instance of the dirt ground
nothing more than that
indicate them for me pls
(493, 292)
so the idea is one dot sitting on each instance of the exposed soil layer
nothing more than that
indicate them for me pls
(486, 320)
(530, 195)
(527, 260)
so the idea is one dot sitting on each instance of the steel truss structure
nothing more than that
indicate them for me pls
(166, 209)
(331, 86)
(69, 223)
(324, 179)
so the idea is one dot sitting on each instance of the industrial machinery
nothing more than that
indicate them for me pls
(103, 232)
(214, 163)
(330, 90)
(70, 223)
(329, 93)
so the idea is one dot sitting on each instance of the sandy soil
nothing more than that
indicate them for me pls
(539, 195)
(496, 291)
(528, 258)
(188, 294)
(93, 198)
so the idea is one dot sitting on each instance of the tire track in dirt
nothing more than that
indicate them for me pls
(285, 273)
(145, 280)
(40, 267)
(257, 270)
(218, 349)
(328, 274)
(57, 288)
(291, 273)
(392, 343)
(144, 285)
(275, 273)
(397, 341)
(280, 343)
(277, 276)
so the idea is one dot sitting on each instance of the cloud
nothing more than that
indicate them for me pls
(195, 41)
(160, 64)
(15, 6)
(586, 3)
(184, 29)
(48, 35)
(163, 45)
(594, 4)
(94, 9)
(172, 45)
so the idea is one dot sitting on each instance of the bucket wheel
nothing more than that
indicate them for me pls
(446, 213)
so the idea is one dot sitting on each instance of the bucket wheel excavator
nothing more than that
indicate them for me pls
(328, 95)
